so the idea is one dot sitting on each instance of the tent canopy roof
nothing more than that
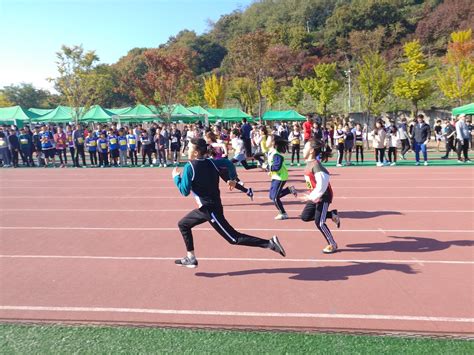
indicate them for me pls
(199, 110)
(466, 109)
(16, 113)
(59, 114)
(228, 114)
(290, 115)
(97, 114)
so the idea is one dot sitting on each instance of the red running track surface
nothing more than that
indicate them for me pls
(97, 245)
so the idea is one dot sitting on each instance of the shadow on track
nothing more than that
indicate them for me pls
(409, 244)
(322, 273)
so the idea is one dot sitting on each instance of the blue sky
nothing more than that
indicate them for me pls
(32, 31)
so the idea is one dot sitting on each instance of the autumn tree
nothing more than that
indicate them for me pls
(25, 95)
(244, 91)
(283, 63)
(214, 91)
(247, 58)
(412, 85)
(4, 102)
(293, 95)
(323, 87)
(167, 79)
(374, 81)
(456, 79)
(269, 91)
(80, 84)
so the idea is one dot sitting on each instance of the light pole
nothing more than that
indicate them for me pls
(348, 74)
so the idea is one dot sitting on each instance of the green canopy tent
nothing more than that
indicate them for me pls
(466, 109)
(119, 111)
(40, 111)
(228, 114)
(290, 115)
(139, 113)
(60, 114)
(199, 110)
(181, 113)
(16, 115)
(97, 114)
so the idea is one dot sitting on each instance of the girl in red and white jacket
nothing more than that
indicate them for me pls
(320, 196)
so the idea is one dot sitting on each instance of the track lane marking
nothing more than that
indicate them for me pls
(238, 314)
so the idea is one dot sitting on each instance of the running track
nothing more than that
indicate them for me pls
(98, 245)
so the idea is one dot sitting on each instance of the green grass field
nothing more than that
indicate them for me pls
(55, 339)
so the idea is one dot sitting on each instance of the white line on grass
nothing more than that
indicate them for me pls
(241, 229)
(285, 260)
(238, 314)
(226, 210)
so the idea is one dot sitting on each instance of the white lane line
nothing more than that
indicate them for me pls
(238, 314)
(342, 212)
(241, 229)
(285, 260)
(225, 197)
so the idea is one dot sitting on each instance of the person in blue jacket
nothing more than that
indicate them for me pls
(201, 177)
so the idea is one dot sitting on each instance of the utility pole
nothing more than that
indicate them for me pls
(307, 26)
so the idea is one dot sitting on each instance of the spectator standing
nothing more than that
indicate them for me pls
(421, 137)
(463, 136)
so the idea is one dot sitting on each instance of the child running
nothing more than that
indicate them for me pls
(239, 150)
(320, 196)
(218, 151)
(201, 177)
(279, 175)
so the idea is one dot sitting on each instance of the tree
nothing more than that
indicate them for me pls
(25, 95)
(456, 80)
(214, 91)
(323, 87)
(77, 81)
(411, 85)
(128, 69)
(283, 63)
(167, 79)
(293, 94)
(4, 100)
(269, 91)
(374, 81)
(244, 91)
(247, 58)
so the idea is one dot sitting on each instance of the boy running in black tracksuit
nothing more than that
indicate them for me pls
(201, 177)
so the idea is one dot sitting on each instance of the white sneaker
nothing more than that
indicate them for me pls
(393, 164)
(338, 164)
(299, 164)
(281, 216)
(417, 163)
(291, 164)
(379, 164)
(425, 163)
(460, 161)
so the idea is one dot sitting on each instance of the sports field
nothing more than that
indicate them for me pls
(96, 246)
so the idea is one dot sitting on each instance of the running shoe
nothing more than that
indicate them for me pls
(338, 164)
(425, 163)
(393, 164)
(335, 218)
(330, 249)
(460, 161)
(250, 193)
(276, 246)
(293, 191)
(281, 216)
(187, 262)
(417, 163)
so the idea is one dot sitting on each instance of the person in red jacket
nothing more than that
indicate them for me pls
(321, 195)
(308, 129)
